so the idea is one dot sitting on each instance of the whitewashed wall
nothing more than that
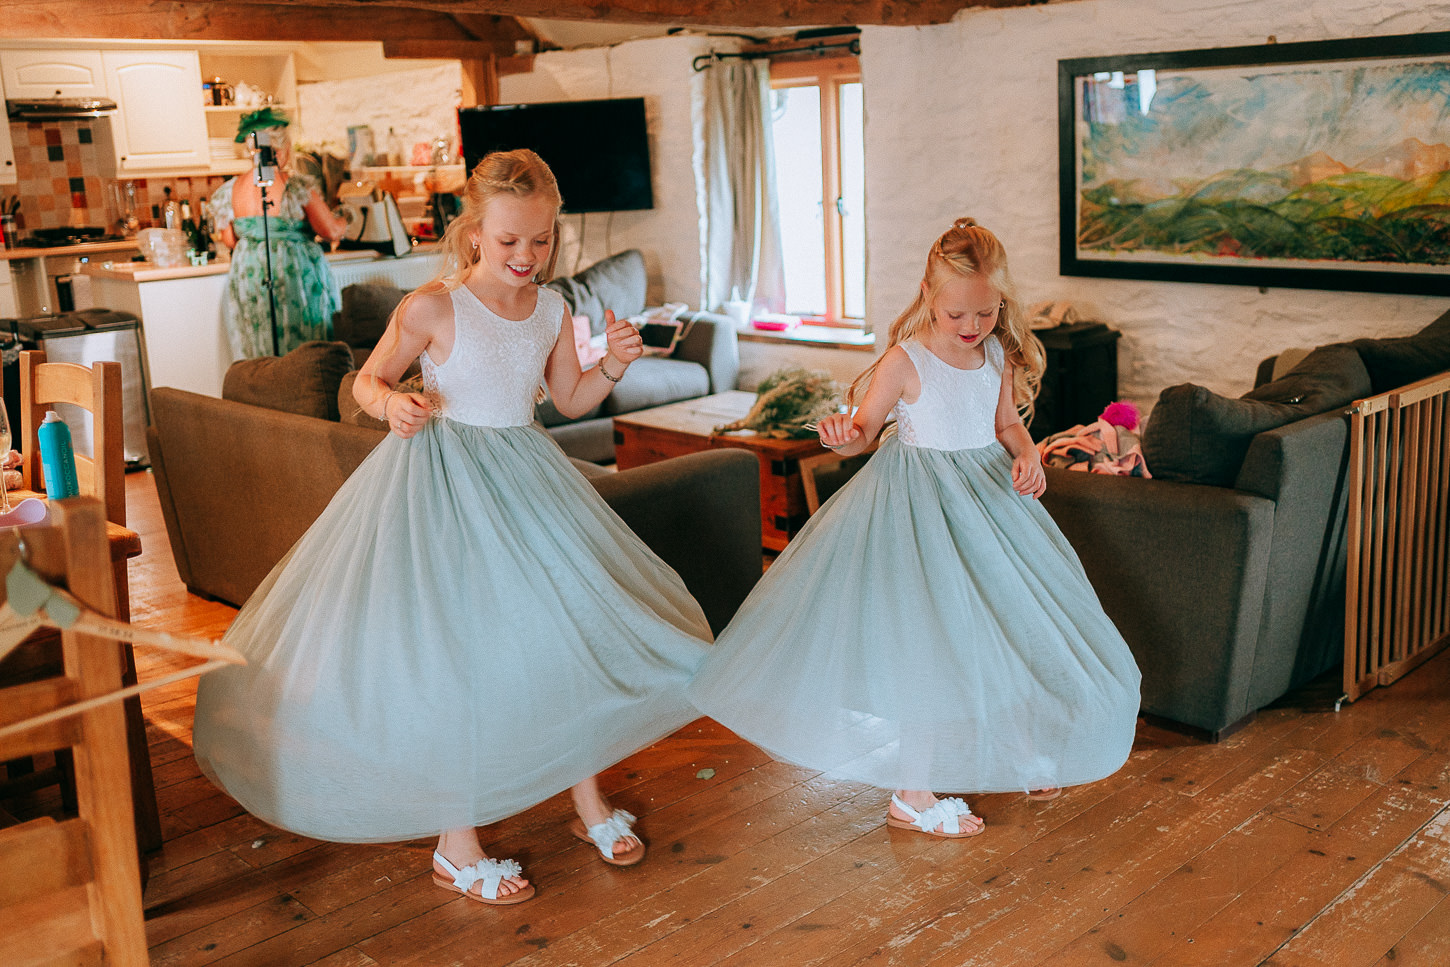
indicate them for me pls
(658, 70)
(419, 104)
(961, 119)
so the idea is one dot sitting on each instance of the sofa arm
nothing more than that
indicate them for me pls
(701, 514)
(710, 340)
(239, 484)
(1181, 570)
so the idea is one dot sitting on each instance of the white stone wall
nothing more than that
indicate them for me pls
(961, 119)
(419, 104)
(659, 70)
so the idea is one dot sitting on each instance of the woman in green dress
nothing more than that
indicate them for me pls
(304, 292)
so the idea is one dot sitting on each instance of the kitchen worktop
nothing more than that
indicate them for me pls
(85, 249)
(150, 272)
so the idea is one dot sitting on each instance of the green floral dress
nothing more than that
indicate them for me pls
(305, 292)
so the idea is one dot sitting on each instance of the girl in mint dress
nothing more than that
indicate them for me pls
(304, 291)
(467, 629)
(930, 628)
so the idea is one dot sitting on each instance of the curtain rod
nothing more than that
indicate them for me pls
(705, 60)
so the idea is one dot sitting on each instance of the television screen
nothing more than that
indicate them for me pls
(598, 150)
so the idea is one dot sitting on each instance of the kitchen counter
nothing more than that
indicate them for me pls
(151, 272)
(84, 250)
(181, 308)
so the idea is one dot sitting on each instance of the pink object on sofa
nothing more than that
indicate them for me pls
(588, 354)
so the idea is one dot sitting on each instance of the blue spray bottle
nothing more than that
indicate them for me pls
(57, 458)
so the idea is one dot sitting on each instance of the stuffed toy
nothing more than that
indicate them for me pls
(1110, 444)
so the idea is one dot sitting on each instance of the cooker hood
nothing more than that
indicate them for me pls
(58, 108)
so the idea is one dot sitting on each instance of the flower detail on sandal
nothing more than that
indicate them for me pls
(490, 872)
(946, 814)
(619, 826)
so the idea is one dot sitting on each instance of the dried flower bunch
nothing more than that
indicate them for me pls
(791, 400)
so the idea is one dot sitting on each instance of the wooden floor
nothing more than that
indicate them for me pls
(1310, 837)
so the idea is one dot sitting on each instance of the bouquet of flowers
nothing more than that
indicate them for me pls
(789, 403)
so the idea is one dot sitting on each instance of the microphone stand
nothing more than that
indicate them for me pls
(262, 167)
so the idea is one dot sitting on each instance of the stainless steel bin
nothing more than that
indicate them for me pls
(89, 336)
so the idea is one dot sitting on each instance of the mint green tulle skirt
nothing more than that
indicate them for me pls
(465, 631)
(929, 628)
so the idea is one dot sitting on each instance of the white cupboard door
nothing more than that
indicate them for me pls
(52, 73)
(160, 122)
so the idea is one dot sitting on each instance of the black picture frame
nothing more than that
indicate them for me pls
(1098, 231)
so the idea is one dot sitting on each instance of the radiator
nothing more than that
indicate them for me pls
(1398, 577)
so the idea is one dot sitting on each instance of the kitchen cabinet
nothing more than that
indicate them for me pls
(159, 124)
(9, 305)
(52, 73)
(8, 175)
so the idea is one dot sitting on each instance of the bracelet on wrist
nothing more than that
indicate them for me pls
(387, 396)
(605, 373)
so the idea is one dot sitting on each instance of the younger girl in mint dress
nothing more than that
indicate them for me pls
(930, 627)
(304, 291)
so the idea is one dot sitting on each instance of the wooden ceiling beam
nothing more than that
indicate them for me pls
(206, 20)
(702, 13)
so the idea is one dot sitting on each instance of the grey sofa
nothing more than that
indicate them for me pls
(240, 482)
(1226, 572)
(706, 360)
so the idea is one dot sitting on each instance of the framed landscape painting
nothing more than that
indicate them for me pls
(1312, 165)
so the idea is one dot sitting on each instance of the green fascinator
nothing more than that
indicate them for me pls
(259, 120)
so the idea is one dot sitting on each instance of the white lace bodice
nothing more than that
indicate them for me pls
(957, 408)
(496, 365)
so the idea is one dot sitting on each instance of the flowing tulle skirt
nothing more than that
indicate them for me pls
(929, 628)
(466, 630)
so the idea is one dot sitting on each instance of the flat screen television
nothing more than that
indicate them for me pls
(598, 150)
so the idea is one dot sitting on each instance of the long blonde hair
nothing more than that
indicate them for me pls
(520, 173)
(963, 251)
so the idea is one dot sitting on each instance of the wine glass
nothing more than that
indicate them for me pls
(4, 452)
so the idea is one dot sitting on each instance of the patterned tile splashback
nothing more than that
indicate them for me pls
(62, 183)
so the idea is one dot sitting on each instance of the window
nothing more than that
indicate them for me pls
(817, 123)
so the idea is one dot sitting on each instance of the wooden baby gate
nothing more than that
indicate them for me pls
(1398, 575)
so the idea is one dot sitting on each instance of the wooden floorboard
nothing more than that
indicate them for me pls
(1311, 837)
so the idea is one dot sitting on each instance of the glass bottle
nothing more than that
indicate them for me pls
(171, 212)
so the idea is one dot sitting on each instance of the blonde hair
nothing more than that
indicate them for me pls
(521, 173)
(968, 250)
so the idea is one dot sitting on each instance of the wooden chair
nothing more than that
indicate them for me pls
(101, 474)
(70, 891)
(826, 473)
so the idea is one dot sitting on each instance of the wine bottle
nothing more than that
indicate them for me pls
(189, 229)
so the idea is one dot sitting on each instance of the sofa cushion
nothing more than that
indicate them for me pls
(617, 283)
(1394, 362)
(655, 381)
(548, 414)
(1197, 436)
(366, 307)
(304, 381)
(348, 409)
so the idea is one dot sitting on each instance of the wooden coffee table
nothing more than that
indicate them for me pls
(648, 436)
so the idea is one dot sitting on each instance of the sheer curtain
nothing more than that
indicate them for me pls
(740, 232)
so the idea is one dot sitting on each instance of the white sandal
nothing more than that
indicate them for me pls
(946, 814)
(620, 825)
(490, 872)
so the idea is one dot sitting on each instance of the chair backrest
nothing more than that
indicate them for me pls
(70, 889)
(96, 389)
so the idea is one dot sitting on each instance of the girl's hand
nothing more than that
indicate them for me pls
(838, 430)
(1028, 478)
(406, 412)
(625, 342)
